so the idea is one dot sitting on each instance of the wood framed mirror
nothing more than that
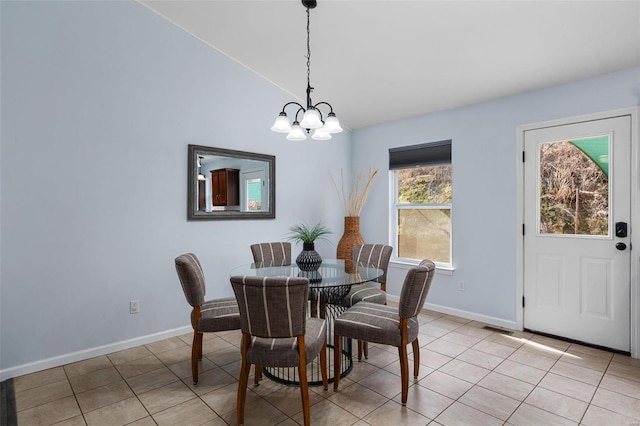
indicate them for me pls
(228, 184)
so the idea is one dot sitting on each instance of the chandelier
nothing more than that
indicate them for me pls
(312, 117)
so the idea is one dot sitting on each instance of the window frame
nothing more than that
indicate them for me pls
(429, 154)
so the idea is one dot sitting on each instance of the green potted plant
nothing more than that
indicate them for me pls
(308, 259)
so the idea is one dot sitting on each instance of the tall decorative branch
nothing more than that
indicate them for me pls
(353, 203)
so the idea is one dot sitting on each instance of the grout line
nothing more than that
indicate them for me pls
(226, 337)
(73, 391)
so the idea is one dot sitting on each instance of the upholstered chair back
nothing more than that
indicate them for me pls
(191, 278)
(272, 307)
(374, 254)
(278, 252)
(415, 288)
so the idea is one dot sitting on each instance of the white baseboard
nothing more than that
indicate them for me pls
(69, 358)
(499, 322)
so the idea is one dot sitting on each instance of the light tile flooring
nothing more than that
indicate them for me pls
(468, 376)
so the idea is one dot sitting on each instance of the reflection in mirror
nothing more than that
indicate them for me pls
(228, 184)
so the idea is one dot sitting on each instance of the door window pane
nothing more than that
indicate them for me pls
(574, 187)
(254, 194)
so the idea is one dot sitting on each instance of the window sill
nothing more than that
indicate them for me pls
(440, 270)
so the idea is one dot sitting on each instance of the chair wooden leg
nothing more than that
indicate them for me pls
(196, 347)
(363, 348)
(244, 379)
(200, 338)
(337, 358)
(304, 386)
(404, 372)
(194, 358)
(323, 366)
(416, 357)
(404, 360)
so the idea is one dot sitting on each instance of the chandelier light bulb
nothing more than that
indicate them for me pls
(296, 133)
(201, 177)
(311, 119)
(321, 135)
(332, 125)
(281, 125)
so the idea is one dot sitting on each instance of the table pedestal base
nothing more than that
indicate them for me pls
(289, 376)
(323, 304)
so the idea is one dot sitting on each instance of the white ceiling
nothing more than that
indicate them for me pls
(378, 61)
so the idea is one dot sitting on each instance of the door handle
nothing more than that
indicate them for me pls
(621, 246)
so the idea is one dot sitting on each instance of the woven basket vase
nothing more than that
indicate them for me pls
(350, 238)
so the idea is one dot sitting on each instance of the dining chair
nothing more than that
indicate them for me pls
(277, 333)
(377, 255)
(388, 325)
(206, 316)
(277, 251)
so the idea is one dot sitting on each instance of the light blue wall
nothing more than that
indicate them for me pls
(109, 89)
(99, 102)
(484, 161)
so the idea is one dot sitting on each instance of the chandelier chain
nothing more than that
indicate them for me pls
(309, 88)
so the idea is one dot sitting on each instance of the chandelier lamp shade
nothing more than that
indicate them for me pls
(312, 117)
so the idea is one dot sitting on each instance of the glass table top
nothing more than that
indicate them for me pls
(331, 273)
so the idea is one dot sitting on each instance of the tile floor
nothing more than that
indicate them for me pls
(468, 376)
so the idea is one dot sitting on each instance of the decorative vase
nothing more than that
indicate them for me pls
(308, 259)
(350, 238)
(312, 276)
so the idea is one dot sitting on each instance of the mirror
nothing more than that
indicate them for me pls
(228, 184)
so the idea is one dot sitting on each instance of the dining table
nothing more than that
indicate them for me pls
(328, 285)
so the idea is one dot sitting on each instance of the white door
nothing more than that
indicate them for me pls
(254, 195)
(577, 257)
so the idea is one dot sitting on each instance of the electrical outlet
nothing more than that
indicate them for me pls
(461, 286)
(134, 306)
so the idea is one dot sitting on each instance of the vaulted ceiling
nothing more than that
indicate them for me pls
(378, 61)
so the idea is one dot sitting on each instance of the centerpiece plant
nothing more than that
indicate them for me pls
(308, 259)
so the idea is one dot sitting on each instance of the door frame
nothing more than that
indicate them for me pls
(634, 307)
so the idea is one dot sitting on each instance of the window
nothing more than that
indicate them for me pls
(574, 187)
(421, 199)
